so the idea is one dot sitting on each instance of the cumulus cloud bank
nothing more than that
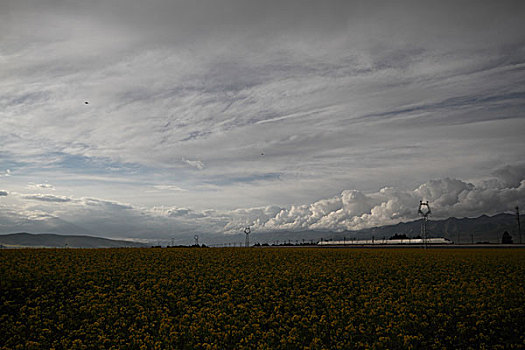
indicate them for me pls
(350, 210)
(354, 210)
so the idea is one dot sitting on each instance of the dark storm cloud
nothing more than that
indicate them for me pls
(511, 176)
(427, 23)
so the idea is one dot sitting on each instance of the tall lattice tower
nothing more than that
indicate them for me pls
(247, 231)
(424, 211)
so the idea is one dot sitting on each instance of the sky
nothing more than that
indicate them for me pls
(155, 119)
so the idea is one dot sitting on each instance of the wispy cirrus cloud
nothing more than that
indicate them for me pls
(41, 186)
(169, 188)
(47, 198)
(194, 163)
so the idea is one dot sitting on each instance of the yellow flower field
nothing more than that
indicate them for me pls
(247, 298)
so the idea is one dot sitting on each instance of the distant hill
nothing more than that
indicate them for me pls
(50, 240)
(465, 230)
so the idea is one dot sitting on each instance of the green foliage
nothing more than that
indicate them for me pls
(307, 298)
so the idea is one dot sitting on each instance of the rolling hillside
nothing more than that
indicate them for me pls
(49, 240)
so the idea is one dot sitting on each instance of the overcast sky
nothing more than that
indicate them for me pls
(208, 115)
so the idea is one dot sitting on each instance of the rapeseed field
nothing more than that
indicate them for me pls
(248, 298)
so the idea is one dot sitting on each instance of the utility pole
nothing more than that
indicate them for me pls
(518, 220)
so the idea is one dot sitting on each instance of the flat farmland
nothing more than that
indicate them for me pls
(248, 298)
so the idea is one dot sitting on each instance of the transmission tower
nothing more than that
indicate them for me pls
(247, 231)
(424, 211)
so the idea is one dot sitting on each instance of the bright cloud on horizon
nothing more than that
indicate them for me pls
(199, 111)
(349, 210)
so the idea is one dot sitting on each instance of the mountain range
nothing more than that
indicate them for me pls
(459, 230)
